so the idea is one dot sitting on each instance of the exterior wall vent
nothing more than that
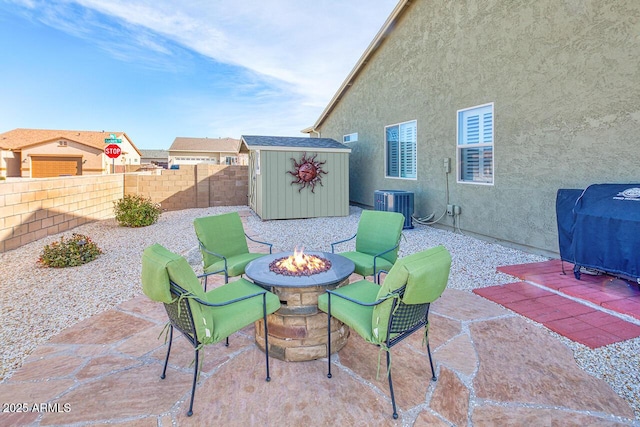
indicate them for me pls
(352, 137)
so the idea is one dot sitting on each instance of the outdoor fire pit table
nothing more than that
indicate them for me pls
(298, 330)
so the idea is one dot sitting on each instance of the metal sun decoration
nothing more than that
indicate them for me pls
(307, 172)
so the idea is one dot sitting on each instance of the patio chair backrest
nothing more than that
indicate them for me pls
(223, 234)
(160, 267)
(425, 275)
(379, 231)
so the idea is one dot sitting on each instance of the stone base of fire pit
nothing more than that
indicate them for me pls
(298, 330)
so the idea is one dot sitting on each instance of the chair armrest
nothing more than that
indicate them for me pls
(366, 304)
(380, 256)
(262, 243)
(202, 247)
(380, 272)
(213, 304)
(205, 275)
(342, 241)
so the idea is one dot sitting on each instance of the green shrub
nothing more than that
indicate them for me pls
(78, 250)
(136, 211)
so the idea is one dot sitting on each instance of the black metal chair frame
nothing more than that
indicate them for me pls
(376, 276)
(226, 275)
(181, 318)
(404, 320)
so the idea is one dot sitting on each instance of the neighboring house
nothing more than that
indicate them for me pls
(155, 157)
(493, 107)
(42, 153)
(191, 151)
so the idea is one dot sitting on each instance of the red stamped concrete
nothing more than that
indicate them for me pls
(544, 298)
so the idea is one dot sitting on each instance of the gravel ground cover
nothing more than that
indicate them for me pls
(37, 302)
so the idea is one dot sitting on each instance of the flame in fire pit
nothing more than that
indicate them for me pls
(300, 264)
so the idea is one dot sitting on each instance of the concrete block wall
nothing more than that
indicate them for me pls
(227, 185)
(193, 186)
(31, 209)
(174, 189)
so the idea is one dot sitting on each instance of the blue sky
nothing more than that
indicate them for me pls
(158, 69)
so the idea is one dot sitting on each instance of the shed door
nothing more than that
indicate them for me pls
(43, 167)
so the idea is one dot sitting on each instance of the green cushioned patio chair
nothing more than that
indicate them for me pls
(385, 315)
(223, 244)
(377, 242)
(202, 317)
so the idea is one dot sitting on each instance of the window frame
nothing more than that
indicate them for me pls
(399, 155)
(350, 137)
(481, 145)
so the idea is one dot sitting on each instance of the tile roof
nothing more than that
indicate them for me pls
(154, 154)
(20, 138)
(214, 145)
(253, 141)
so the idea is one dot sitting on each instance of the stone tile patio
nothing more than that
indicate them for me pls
(494, 368)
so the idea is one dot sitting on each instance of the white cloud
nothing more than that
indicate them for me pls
(284, 59)
(311, 45)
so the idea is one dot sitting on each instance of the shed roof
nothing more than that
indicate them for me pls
(20, 138)
(255, 142)
(208, 145)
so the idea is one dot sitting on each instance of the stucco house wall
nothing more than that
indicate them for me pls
(130, 155)
(562, 76)
(91, 157)
(22, 149)
(193, 151)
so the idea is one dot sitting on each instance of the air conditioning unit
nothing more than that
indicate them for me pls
(395, 201)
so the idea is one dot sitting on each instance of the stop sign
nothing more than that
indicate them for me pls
(112, 151)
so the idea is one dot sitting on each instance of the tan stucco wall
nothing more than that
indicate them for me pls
(9, 163)
(129, 155)
(91, 157)
(563, 77)
(177, 158)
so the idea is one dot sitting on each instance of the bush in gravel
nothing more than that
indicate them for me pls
(78, 250)
(136, 211)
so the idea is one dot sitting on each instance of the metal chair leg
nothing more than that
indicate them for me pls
(329, 337)
(393, 398)
(266, 334)
(193, 387)
(166, 359)
(433, 371)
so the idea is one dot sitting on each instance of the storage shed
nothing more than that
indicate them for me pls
(297, 177)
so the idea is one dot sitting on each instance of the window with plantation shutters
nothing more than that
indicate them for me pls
(475, 144)
(400, 150)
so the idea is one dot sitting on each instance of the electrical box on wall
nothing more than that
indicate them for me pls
(447, 165)
(453, 210)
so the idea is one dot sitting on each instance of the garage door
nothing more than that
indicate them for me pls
(43, 167)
